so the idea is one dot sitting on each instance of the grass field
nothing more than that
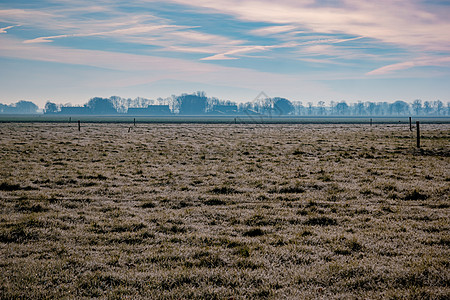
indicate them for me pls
(224, 211)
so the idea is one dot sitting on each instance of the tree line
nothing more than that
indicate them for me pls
(199, 104)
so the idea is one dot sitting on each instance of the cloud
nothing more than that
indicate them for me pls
(47, 39)
(221, 56)
(4, 29)
(28, 17)
(405, 23)
(306, 30)
(415, 28)
(138, 27)
(323, 61)
(144, 29)
(272, 30)
(131, 31)
(327, 41)
(421, 62)
(244, 49)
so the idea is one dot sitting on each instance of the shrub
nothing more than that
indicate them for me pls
(224, 190)
(254, 232)
(4, 186)
(148, 204)
(214, 201)
(243, 251)
(295, 189)
(415, 195)
(321, 221)
(18, 233)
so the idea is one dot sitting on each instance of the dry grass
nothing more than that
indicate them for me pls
(224, 211)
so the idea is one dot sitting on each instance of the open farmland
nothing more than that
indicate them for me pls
(224, 211)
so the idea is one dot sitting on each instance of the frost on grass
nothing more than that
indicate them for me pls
(223, 211)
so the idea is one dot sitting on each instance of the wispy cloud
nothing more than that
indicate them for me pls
(238, 51)
(131, 31)
(220, 56)
(187, 49)
(420, 62)
(323, 61)
(328, 41)
(398, 22)
(244, 49)
(28, 17)
(273, 30)
(132, 28)
(4, 29)
(405, 24)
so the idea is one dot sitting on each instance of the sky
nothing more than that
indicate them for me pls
(68, 51)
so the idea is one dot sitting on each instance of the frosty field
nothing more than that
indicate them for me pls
(226, 211)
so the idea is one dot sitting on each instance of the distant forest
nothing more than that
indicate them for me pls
(198, 104)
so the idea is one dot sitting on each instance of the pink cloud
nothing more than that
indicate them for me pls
(243, 49)
(4, 29)
(430, 61)
(273, 30)
(405, 23)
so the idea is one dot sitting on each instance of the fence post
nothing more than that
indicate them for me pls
(410, 124)
(79, 125)
(134, 121)
(418, 134)
(370, 122)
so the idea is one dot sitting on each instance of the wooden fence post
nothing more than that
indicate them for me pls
(79, 125)
(410, 124)
(371, 122)
(134, 121)
(418, 134)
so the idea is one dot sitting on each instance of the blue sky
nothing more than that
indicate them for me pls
(304, 50)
